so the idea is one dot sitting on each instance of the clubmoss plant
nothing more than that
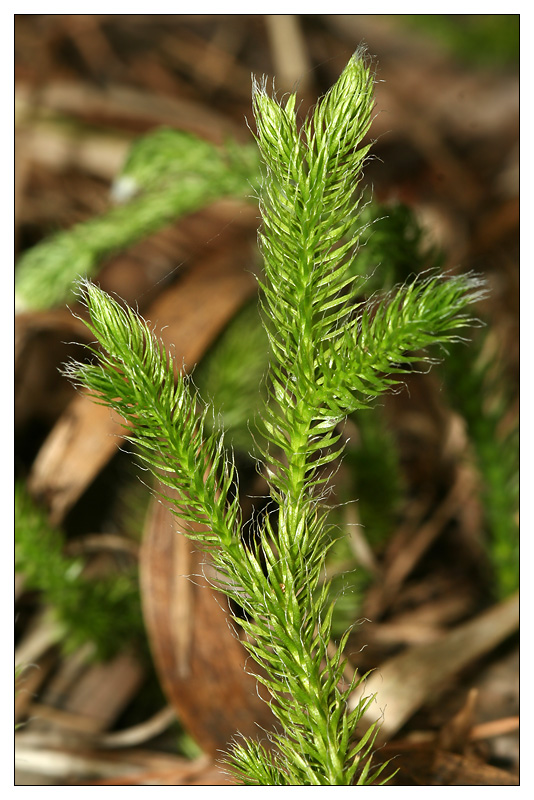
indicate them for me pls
(231, 376)
(167, 175)
(105, 612)
(330, 355)
(480, 391)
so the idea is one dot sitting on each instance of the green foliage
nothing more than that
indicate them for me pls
(196, 174)
(104, 611)
(392, 247)
(373, 463)
(231, 374)
(479, 390)
(476, 387)
(167, 155)
(330, 355)
(482, 39)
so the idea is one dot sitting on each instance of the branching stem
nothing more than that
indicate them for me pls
(330, 356)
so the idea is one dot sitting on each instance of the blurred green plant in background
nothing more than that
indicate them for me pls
(104, 611)
(479, 39)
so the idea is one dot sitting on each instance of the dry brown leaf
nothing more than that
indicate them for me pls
(455, 735)
(428, 766)
(201, 663)
(80, 765)
(124, 105)
(404, 683)
(94, 700)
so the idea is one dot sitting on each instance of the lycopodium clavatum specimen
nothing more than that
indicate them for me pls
(331, 354)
